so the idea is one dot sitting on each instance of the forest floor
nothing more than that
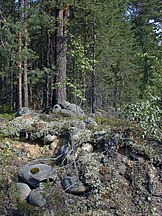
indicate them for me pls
(123, 170)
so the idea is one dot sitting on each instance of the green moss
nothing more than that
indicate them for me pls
(34, 170)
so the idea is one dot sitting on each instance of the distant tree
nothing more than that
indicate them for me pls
(145, 17)
(118, 73)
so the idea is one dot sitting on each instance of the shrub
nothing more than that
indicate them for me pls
(147, 114)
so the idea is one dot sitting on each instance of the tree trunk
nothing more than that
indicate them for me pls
(25, 62)
(93, 89)
(48, 82)
(20, 57)
(61, 59)
(12, 76)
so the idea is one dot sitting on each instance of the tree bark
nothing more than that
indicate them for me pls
(93, 89)
(48, 82)
(61, 59)
(20, 57)
(26, 60)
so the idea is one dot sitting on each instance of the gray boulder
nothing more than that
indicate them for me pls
(69, 109)
(66, 112)
(34, 174)
(24, 110)
(65, 104)
(37, 197)
(75, 109)
(56, 108)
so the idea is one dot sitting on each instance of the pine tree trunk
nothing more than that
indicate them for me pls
(25, 62)
(12, 75)
(20, 57)
(61, 59)
(85, 47)
(48, 82)
(93, 90)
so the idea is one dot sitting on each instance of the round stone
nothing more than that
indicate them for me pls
(37, 197)
(23, 190)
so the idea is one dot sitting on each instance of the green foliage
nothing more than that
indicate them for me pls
(83, 66)
(78, 52)
(76, 90)
(147, 114)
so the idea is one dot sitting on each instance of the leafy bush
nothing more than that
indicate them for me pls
(147, 114)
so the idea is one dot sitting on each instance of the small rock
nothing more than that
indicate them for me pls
(5, 145)
(90, 123)
(49, 138)
(72, 184)
(23, 190)
(37, 197)
(56, 108)
(130, 163)
(149, 198)
(87, 147)
(54, 145)
(122, 169)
